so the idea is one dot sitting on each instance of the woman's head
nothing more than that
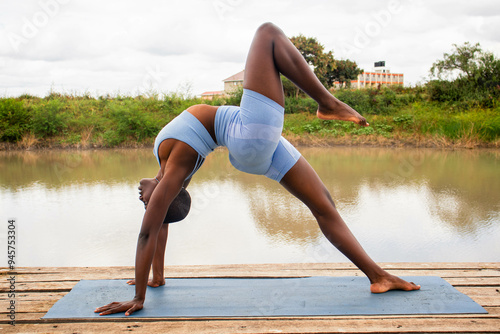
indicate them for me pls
(179, 208)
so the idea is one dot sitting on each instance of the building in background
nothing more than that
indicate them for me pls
(233, 82)
(211, 94)
(380, 77)
(230, 85)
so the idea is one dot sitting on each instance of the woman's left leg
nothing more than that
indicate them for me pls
(303, 182)
(272, 54)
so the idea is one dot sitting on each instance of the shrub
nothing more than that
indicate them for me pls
(49, 118)
(14, 120)
(234, 98)
(313, 126)
(129, 121)
(295, 105)
(443, 91)
(489, 129)
(405, 121)
(362, 100)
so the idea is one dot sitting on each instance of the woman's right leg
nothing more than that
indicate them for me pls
(272, 53)
(303, 182)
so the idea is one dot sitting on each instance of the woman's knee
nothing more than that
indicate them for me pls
(269, 29)
(324, 206)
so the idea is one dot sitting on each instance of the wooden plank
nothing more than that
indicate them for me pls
(266, 267)
(266, 326)
(473, 281)
(479, 291)
(236, 269)
(27, 296)
(41, 286)
(441, 265)
(487, 300)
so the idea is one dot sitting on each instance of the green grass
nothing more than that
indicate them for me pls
(114, 121)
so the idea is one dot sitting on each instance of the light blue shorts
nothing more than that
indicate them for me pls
(252, 134)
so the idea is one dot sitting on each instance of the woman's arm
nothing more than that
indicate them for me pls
(158, 277)
(162, 196)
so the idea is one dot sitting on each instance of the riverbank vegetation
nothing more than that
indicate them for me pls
(459, 107)
(397, 116)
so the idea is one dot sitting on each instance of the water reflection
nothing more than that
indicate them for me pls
(459, 187)
(81, 207)
(54, 168)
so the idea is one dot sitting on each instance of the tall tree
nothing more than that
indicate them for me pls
(315, 55)
(466, 61)
(467, 73)
(327, 69)
(345, 71)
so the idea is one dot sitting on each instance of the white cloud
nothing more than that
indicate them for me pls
(125, 46)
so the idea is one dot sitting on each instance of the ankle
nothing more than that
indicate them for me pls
(328, 102)
(377, 274)
(157, 276)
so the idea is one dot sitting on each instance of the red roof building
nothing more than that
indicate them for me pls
(233, 82)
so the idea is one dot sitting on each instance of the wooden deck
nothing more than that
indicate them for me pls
(37, 289)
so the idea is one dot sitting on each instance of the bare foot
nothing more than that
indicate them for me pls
(338, 110)
(152, 282)
(146, 187)
(391, 282)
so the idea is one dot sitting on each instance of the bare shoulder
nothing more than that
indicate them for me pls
(206, 115)
(177, 154)
(198, 109)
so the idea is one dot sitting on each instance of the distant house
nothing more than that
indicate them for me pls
(210, 95)
(230, 85)
(233, 82)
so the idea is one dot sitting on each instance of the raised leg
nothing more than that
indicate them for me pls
(272, 53)
(303, 182)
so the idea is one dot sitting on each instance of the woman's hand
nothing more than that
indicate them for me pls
(116, 307)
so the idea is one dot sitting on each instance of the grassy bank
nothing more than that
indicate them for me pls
(400, 116)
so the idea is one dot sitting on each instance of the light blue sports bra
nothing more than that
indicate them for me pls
(188, 129)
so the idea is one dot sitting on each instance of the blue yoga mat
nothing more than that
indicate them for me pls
(264, 297)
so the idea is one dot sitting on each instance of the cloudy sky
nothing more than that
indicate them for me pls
(189, 46)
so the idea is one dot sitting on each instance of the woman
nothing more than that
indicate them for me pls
(252, 134)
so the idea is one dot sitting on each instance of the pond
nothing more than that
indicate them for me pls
(81, 208)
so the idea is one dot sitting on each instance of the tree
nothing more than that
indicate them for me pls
(468, 73)
(314, 54)
(344, 72)
(468, 61)
(327, 69)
